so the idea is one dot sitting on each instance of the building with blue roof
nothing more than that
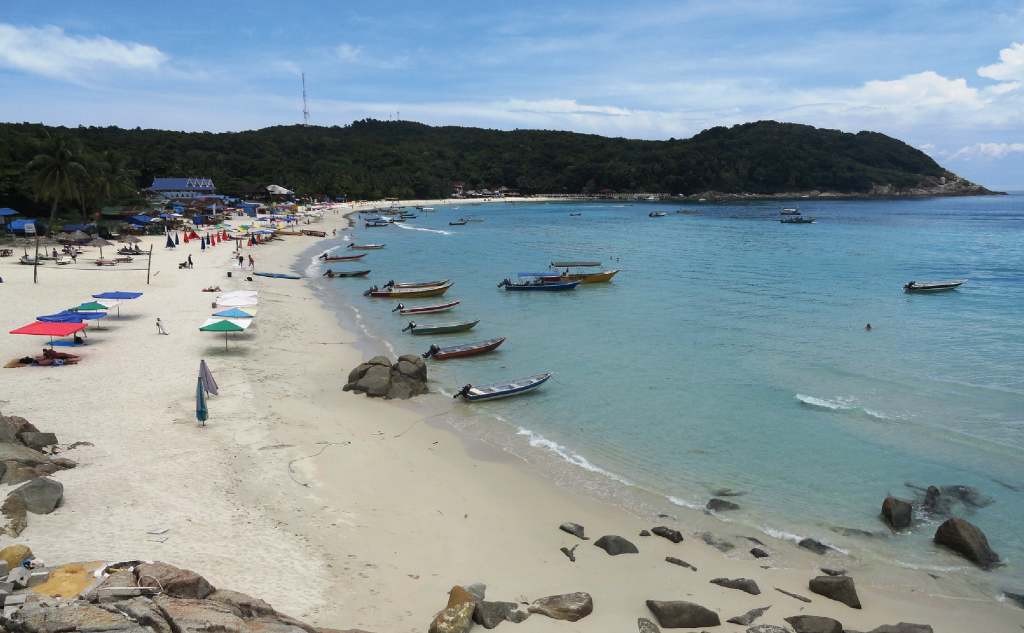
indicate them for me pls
(176, 188)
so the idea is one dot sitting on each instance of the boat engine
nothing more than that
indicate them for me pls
(329, 273)
(373, 288)
(400, 306)
(434, 349)
(390, 284)
(323, 255)
(411, 326)
(505, 282)
(463, 391)
(350, 245)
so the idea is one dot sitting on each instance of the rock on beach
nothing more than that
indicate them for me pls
(968, 540)
(616, 545)
(679, 614)
(838, 588)
(567, 606)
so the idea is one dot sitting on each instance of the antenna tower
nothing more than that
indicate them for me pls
(305, 104)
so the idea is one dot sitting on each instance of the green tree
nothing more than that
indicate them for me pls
(111, 178)
(55, 172)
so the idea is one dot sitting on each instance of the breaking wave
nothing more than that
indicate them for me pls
(539, 441)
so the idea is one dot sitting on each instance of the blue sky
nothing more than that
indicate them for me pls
(943, 76)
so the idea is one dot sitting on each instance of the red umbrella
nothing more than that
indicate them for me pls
(41, 328)
(186, 237)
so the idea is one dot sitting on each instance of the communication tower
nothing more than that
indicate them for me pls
(305, 104)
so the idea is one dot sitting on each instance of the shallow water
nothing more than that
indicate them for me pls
(731, 352)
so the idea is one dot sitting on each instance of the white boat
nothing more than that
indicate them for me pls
(471, 218)
(656, 214)
(932, 286)
(505, 389)
(789, 211)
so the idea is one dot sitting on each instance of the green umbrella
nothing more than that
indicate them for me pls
(222, 326)
(92, 306)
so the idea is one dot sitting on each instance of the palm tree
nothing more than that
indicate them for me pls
(111, 177)
(57, 171)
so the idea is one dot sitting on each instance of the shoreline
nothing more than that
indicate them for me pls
(423, 499)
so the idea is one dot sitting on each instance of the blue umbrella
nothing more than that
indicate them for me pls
(202, 413)
(176, 242)
(170, 242)
(233, 313)
(202, 244)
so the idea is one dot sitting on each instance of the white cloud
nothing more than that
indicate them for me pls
(287, 66)
(923, 89)
(988, 150)
(348, 53)
(50, 52)
(1010, 66)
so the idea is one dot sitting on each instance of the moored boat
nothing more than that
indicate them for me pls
(538, 283)
(280, 232)
(401, 293)
(346, 273)
(313, 233)
(932, 286)
(456, 224)
(341, 258)
(442, 307)
(790, 211)
(410, 284)
(465, 349)
(471, 218)
(796, 219)
(365, 247)
(440, 328)
(656, 214)
(580, 274)
(497, 390)
(371, 225)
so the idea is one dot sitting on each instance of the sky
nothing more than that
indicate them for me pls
(945, 77)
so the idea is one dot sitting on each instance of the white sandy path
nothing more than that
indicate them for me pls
(387, 524)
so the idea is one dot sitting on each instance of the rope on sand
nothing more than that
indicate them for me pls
(450, 409)
(291, 473)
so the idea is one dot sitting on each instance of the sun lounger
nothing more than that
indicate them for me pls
(106, 262)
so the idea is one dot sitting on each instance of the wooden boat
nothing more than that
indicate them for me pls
(656, 214)
(465, 349)
(420, 284)
(371, 225)
(279, 232)
(398, 219)
(789, 211)
(409, 216)
(580, 274)
(341, 258)
(348, 273)
(276, 275)
(471, 218)
(933, 286)
(366, 247)
(505, 389)
(443, 307)
(440, 328)
(401, 293)
(456, 224)
(314, 233)
(796, 219)
(538, 283)
(574, 214)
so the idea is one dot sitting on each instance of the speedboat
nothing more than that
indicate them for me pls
(538, 283)
(656, 214)
(401, 293)
(505, 389)
(443, 307)
(440, 328)
(932, 286)
(365, 247)
(465, 349)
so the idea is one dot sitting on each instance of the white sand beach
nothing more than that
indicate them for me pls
(383, 511)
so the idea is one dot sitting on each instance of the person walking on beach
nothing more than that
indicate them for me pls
(241, 262)
(252, 263)
(190, 261)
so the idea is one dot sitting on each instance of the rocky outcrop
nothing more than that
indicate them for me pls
(665, 532)
(173, 581)
(41, 495)
(757, 552)
(646, 626)
(749, 617)
(814, 624)
(15, 514)
(568, 606)
(15, 555)
(679, 614)
(896, 513)
(721, 505)
(838, 588)
(575, 529)
(457, 616)
(741, 584)
(715, 542)
(814, 545)
(967, 540)
(616, 545)
(903, 627)
(491, 614)
(768, 628)
(379, 378)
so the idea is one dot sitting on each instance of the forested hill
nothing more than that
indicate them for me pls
(371, 159)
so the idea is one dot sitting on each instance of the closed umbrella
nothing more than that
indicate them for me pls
(202, 245)
(176, 242)
(206, 378)
(170, 241)
(202, 412)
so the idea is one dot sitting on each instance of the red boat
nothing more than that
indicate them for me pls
(438, 308)
(328, 258)
(466, 349)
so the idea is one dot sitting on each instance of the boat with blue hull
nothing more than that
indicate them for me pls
(537, 283)
(505, 389)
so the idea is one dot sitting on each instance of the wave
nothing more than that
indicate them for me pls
(843, 404)
(684, 504)
(539, 441)
(420, 228)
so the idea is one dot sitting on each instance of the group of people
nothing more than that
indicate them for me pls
(241, 262)
(51, 357)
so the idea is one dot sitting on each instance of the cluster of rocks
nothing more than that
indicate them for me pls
(955, 534)
(132, 597)
(379, 378)
(467, 605)
(27, 457)
(834, 585)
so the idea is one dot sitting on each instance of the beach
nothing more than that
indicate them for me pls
(343, 511)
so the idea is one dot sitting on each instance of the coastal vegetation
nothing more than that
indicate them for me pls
(370, 159)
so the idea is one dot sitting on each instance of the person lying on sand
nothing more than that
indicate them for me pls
(51, 357)
(212, 289)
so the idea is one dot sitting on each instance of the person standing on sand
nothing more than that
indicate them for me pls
(190, 261)
(252, 263)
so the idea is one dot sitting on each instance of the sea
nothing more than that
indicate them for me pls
(731, 357)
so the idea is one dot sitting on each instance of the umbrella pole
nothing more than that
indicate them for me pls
(225, 341)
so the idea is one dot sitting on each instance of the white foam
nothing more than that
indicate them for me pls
(842, 404)
(420, 228)
(684, 504)
(539, 441)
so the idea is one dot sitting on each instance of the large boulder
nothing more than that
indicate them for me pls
(38, 441)
(491, 614)
(145, 612)
(897, 513)
(967, 540)
(175, 582)
(15, 555)
(838, 588)
(814, 624)
(41, 495)
(566, 606)
(768, 628)
(22, 455)
(199, 616)
(575, 529)
(679, 614)
(412, 366)
(404, 387)
(380, 360)
(616, 545)
(665, 532)
(457, 616)
(720, 505)
(358, 372)
(14, 511)
(814, 545)
(75, 616)
(12, 427)
(15, 473)
(742, 584)
(715, 542)
(376, 381)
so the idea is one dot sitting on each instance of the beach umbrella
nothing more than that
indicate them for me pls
(235, 313)
(223, 326)
(78, 236)
(92, 306)
(202, 244)
(206, 378)
(71, 316)
(186, 237)
(170, 241)
(131, 239)
(176, 239)
(41, 328)
(202, 412)
(100, 242)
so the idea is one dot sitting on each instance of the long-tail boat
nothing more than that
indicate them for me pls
(505, 389)
(440, 328)
(456, 224)
(797, 219)
(580, 274)
(313, 233)
(933, 286)
(426, 309)
(465, 349)
(365, 247)
(537, 284)
(421, 284)
(346, 273)
(340, 258)
(401, 293)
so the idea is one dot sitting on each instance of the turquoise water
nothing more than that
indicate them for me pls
(731, 352)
